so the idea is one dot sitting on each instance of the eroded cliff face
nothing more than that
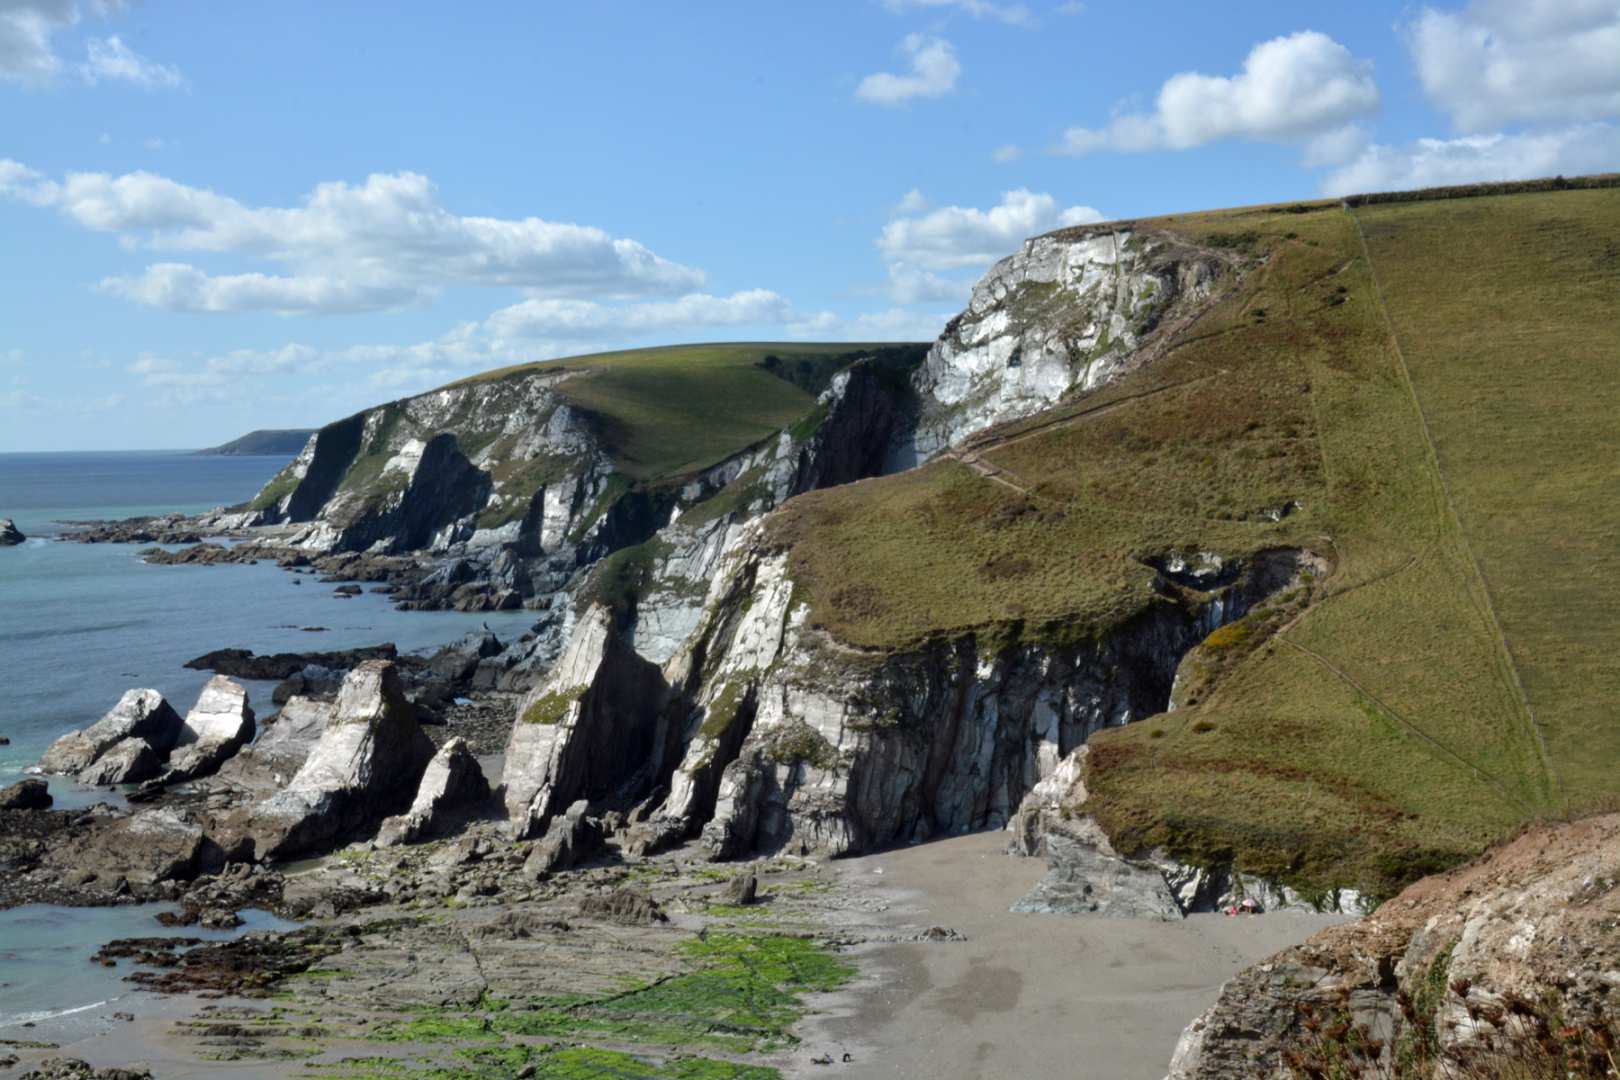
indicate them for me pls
(1068, 313)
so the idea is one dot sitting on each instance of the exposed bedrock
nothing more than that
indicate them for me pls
(1503, 967)
(777, 737)
(1067, 313)
(365, 765)
(219, 725)
(10, 535)
(587, 731)
(452, 784)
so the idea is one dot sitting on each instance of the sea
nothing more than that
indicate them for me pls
(82, 623)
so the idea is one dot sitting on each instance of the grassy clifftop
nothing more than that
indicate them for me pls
(1423, 392)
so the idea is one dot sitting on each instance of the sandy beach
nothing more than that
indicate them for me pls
(1024, 995)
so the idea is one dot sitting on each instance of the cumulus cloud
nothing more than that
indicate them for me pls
(1571, 151)
(922, 247)
(954, 237)
(585, 320)
(1012, 14)
(1290, 90)
(347, 247)
(28, 54)
(934, 71)
(109, 59)
(1500, 62)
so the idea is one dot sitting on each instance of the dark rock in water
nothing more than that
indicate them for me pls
(27, 794)
(10, 535)
(245, 664)
(571, 838)
(4, 741)
(624, 906)
(742, 890)
(366, 765)
(169, 529)
(139, 714)
(453, 780)
(347, 590)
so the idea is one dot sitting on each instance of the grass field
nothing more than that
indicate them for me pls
(1442, 412)
(670, 411)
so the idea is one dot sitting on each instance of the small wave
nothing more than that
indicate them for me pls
(49, 1014)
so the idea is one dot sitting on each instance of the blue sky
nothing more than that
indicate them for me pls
(221, 217)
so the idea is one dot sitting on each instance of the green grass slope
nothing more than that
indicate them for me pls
(1438, 401)
(674, 410)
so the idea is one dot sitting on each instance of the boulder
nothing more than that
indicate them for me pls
(624, 906)
(140, 714)
(743, 890)
(27, 794)
(366, 765)
(277, 755)
(129, 761)
(144, 848)
(10, 535)
(1086, 877)
(571, 838)
(452, 780)
(219, 725)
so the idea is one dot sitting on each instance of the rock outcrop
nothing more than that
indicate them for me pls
(571, 838)
(1088, 877)
(586, 731)
(365, 765)
(219, 725)
(1504, 967)
(141, 716)
(10, 535)
(1068, 313)
(452, 781)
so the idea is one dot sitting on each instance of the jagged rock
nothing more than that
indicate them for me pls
(1474, 956)
(452, 780)
(77, 1069)
(1069, 312)
(1086, 877)
(584, 731)
(128, 761)
(366, 764)
(26, 794)
(625, 906)
(742, 890)
(571, 838)
(219, 725)
(10, 535)
(245, 664)
(140, 714)
(275, 758)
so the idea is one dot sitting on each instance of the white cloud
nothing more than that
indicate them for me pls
(28, 55)
(1004, 154)
(919, 247)
(912, 202)
(1013, 14)
(1500, 62)
(26, 27)
(934, 71)
(954, 237)
(109, 59)
(587, 320)
(1290, 90)
(348, 247)
(1433, 162)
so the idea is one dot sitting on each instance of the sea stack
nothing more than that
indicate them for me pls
(10, 535)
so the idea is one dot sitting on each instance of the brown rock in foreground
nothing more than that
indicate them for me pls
(1512, 955)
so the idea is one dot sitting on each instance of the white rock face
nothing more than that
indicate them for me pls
(139, 714)
(453, 779)
(366, 763)
(1066, 313)
(219, 725)
(586, 728)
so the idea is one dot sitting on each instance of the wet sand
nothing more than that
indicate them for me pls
(1025, 995)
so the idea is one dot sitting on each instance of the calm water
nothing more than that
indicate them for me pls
(82, 623)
